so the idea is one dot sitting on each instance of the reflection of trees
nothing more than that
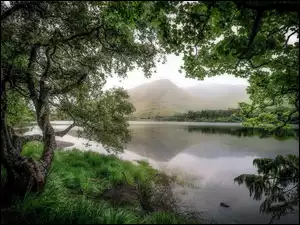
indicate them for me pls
(244, 132)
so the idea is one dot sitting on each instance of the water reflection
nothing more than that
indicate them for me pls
(163, 142)
(214, 156)
(245, 132)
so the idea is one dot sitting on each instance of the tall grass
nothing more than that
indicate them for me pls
(86, 187)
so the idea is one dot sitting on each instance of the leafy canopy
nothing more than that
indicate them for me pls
(64, 45)
(255, 40)
(59, 55)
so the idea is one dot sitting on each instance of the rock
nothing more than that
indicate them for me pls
(224, 205)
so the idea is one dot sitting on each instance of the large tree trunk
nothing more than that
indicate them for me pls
(24, 174)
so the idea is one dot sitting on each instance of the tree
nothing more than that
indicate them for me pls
(248, 39)
(58, 55)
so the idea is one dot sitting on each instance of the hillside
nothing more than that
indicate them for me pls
(161, 97)
(219, 96)
(164, 98)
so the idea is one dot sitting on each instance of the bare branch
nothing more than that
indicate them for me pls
(64, 132)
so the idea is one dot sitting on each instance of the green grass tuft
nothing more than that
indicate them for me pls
(85, 187)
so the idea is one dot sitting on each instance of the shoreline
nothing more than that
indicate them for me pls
(153, 122)
(69, 142)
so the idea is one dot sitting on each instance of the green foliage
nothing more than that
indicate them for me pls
(75, 188)
(62, 54)
(277, 181)
(248, 41)
(230, 115)
(101, 113)
(87, 42)
(18, 112)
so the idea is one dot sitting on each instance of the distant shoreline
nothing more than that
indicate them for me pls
(145, 122)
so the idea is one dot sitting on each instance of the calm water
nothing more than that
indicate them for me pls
(211, 156)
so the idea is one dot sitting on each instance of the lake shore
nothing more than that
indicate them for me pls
(85, 187)
(145, 122)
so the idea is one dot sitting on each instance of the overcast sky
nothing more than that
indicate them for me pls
(169, 71)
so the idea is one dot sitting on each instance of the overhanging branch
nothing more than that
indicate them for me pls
(69, 87)
(64, 132)
(257, 66)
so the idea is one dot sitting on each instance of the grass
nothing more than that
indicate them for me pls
(86, 187)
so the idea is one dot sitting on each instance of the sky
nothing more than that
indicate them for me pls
(169, 70)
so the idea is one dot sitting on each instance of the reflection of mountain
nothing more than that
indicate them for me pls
(248, 146)
(163, 142)
(160, 142)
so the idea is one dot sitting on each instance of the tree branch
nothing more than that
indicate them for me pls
(205, 23)
(20, 141)
(286, 121)
(271, 5)
(253, 33)
(45, 74)
(48, 65)
(257, 66)
(64, 132)
(30, 82)
(69, 87)
(288, 38)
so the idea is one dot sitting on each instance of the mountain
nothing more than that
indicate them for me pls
(219, 96)
(164, 98)
(161, 97)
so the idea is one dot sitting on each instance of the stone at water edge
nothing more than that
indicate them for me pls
(224, 205)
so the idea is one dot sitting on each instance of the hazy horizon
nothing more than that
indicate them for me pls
(169, 71)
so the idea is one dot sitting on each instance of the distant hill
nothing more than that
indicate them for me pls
(219, 96)
(161, 97)
(164, 98)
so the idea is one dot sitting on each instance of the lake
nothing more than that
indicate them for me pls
(211, 155)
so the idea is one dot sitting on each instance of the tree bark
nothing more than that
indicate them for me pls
(24, 174)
